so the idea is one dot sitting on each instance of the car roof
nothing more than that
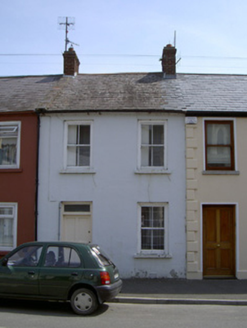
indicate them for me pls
(58, 243)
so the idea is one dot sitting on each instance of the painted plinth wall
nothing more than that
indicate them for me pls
(114, 190)
(215, 190)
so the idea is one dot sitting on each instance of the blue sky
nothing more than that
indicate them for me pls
(123, 35)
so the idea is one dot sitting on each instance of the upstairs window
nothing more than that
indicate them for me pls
(219, 145)
(152, 144)
(9, 144)
(78, 144)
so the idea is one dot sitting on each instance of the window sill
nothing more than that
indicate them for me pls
(9, 170)
(152, 171)
(78, 171)
(152, 256)
(220, 172)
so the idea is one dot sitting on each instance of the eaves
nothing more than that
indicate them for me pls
(216, 113)
(44, 111)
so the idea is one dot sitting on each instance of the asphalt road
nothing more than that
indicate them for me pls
(21, 314)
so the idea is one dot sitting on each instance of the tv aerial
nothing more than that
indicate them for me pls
(68, 23)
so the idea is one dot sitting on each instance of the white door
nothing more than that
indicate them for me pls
(76, 226)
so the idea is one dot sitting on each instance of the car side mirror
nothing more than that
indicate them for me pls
(4, 261)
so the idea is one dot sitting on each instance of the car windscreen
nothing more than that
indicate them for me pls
(101, 256)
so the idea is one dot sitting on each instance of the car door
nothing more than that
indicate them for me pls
(61, 268)
(20, 272)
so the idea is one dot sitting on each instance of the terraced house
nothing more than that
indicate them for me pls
(112, 167)
(216, 175)
(150, 166)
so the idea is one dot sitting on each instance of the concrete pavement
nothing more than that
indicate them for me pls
(183, 291)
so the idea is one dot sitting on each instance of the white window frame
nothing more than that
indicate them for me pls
(154, 252)
(77, 169)
(14, 216)
(152, 169)
(18, 144)
(235, 144)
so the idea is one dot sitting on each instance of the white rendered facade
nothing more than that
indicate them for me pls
(115, 187)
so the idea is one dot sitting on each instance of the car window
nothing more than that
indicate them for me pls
(26, 256)
(101, 257)
(59, 256)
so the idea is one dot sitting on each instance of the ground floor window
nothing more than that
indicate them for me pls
(153, 233)
(8, 224)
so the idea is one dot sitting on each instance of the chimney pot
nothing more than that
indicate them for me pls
(169, 61)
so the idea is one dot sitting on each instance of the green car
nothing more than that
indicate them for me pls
(79, 273)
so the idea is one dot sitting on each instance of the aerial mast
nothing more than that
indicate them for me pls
(68, 23)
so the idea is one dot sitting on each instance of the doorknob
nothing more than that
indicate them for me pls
(218, 245)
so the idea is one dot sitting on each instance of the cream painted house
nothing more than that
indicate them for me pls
(216, 154)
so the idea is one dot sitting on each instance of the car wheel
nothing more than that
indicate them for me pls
(83, 301)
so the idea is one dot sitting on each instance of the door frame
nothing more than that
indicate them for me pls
(236, 232)
(62, 213)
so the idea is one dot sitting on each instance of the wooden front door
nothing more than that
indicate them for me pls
(77, 228)
(219, 241)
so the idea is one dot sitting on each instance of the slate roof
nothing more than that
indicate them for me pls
(214, 93)
(25, 93)
(125, 92)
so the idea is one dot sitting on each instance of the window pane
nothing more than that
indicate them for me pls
(158, 156)
(152, 156)
(6, 232)
(8, 131)
(158, 239)
(26, 256)
(84, 156)
(146, 239)
(8, 151)
(145, 157)
(77, 208)
(146, 217)
(71, 258)
(8, 144)
(146, 132)
(50, 257)
(84, 138)
(71, 156)
(219, 156)
(72, 134)
(151, 153)
(158, 134)
(218, 134)
(6, 210)
(77, 153)
(158, 217)
(101, 257)
(152, 218)
(153, 239)
(219, 145)
(59, 256)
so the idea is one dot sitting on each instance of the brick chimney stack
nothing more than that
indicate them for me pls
(169, 62)
(71, 62)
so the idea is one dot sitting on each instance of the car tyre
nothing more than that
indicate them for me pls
(84, 301)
